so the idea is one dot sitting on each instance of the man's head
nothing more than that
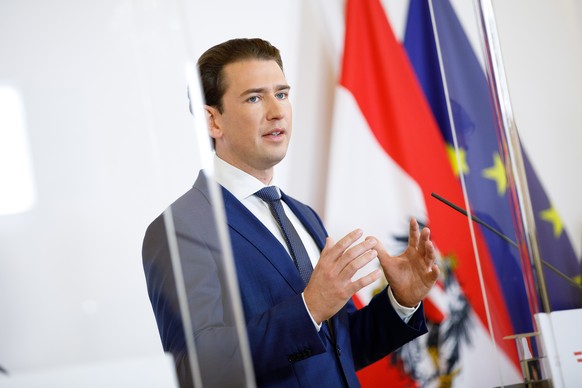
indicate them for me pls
(211, 64)
(247, 105)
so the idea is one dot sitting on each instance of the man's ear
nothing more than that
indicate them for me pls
(212, 114)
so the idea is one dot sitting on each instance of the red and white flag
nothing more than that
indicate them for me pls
(387, 156)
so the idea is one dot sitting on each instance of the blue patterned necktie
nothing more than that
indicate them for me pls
(271, 195)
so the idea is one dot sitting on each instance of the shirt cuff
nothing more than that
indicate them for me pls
(405, 313)
(317, 326)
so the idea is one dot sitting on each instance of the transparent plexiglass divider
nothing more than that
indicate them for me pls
(96, 141)
(543, 240)
(192, 276)
(518, 277)
(189, 265)
(471, 126)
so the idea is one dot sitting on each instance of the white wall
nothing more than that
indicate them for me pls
(541, 44)
(105, 128)
(112, 144)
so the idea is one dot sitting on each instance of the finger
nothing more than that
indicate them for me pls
(379, 247)
(424, 238)
(430, 255)
(350, 269)
(364, 281)
(433, 273)
(344, 243)
(356, 251)
(413, 234)
(435, 270)
(325, 252)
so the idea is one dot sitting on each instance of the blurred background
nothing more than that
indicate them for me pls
(96, 140)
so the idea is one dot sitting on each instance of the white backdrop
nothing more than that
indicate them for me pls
(111, 144)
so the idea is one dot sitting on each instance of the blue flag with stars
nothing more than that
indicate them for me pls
(481, 164)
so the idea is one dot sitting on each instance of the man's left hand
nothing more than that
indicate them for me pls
(412, 274)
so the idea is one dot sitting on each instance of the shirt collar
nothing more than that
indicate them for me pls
(239, 183)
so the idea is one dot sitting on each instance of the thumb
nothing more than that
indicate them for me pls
(379, 247)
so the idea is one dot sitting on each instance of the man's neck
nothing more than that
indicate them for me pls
(265, 176)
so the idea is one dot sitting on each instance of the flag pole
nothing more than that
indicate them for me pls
(511, 152)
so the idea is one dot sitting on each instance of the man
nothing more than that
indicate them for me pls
(295, 283)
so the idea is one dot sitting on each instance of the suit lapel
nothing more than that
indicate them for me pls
(308, 219)
(240, 219)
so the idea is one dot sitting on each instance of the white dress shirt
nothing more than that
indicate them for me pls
(243, 186)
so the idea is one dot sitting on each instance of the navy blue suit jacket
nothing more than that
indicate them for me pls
(286, 349)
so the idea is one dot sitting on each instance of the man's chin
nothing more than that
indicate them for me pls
(274, 159)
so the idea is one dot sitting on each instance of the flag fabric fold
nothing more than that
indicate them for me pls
(388, 155)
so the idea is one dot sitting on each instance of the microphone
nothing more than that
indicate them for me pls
(504, 237)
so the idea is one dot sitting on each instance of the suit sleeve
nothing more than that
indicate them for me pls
(376, 330)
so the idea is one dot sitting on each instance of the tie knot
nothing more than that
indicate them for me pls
(269, 194)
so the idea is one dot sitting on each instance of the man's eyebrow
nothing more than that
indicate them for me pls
(278, 88)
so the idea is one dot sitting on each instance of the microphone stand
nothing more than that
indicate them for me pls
(507, 239)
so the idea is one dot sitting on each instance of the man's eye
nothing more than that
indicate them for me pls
(282, 95)
(253, 99)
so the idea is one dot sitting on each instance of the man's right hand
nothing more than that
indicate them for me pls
(331, 285)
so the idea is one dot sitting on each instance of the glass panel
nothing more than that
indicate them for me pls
(191, 277)
(95, 141)
(480, 127)
(72, 289)
(548, 122)
(454, 81)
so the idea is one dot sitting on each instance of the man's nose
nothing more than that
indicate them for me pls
(275, 109)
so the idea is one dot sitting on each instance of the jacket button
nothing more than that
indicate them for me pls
(338, 351)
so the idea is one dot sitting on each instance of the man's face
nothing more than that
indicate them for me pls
(254, 128)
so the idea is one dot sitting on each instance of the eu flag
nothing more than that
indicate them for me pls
(481, 165)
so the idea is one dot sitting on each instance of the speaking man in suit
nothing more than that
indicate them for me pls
(295, 282)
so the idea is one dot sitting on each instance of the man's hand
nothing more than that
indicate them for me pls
(331, 285)
(412, 274)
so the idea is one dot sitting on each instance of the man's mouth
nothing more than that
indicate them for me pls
(274, 133)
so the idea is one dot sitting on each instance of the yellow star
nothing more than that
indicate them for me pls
(578, 279)
(463, 167)
(497, 173)
(551, 215)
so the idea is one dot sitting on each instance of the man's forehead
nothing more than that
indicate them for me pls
(253, 74)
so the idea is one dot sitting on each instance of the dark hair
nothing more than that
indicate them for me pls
(212, 62)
